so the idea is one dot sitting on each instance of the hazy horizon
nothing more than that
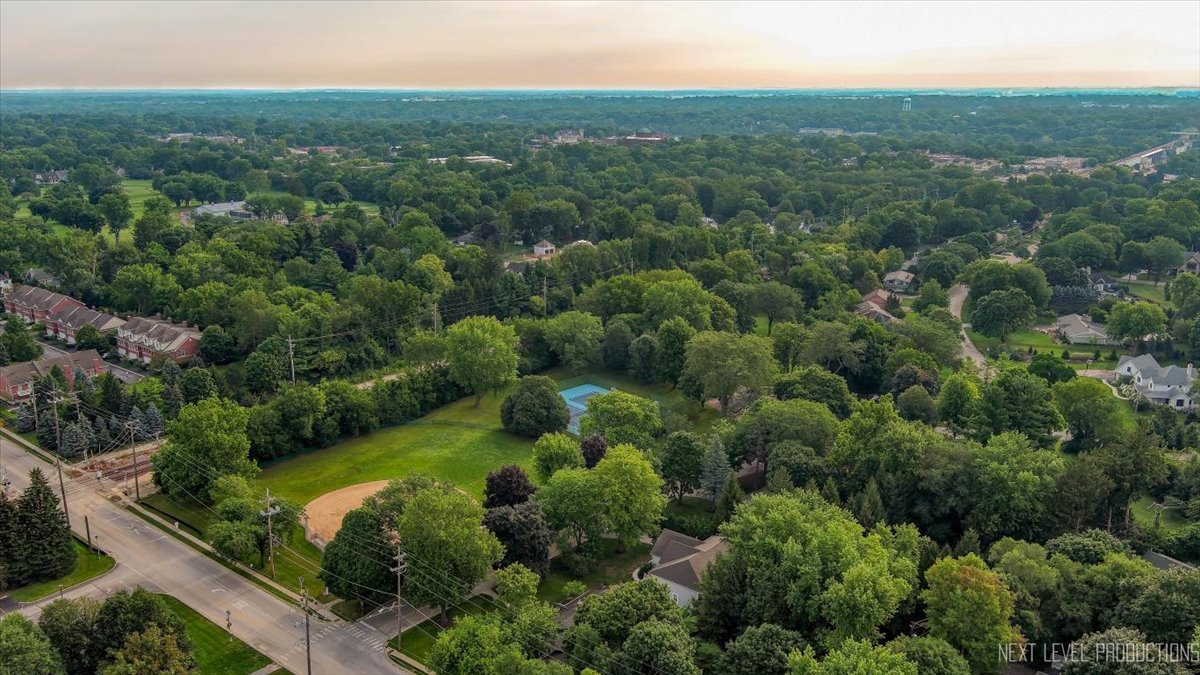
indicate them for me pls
(554, 46)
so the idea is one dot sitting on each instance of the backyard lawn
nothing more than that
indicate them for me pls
(1041, 342)
(611, 568)
(1153, 293)
(87, 566)
(215, 653)
(457, 443)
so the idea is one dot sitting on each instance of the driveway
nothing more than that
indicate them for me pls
(967, 350)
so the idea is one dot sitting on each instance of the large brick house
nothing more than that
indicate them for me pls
(64, 324)
(16, 381)
(35, 304)
(145, 339)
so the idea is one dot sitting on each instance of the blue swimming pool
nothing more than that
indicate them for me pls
(576, 398)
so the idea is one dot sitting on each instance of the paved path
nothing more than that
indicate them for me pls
(147, 557)
(967, 350)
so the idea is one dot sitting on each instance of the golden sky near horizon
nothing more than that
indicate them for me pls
(598, 44)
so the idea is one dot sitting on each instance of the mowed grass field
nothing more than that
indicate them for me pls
(215, 652)
(457, 443)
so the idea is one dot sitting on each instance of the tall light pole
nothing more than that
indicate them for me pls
(307, 639)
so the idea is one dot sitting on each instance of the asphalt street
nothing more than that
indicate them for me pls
(149, 558)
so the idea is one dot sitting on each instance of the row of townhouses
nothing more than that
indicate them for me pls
(138, 338)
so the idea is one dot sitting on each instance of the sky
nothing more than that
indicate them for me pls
(549, 45)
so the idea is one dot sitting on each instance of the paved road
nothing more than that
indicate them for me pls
(124, 374)
(968, 350)
(147, 557)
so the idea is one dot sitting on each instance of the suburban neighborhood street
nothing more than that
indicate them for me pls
(149, 558)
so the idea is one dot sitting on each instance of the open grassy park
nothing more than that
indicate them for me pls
(87, 566)
(457, 443)
(215, 652)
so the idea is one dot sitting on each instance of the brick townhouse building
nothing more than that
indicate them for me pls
(66, 323)
(16, 381)
(35, 304)
(145, 339)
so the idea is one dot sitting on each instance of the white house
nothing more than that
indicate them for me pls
(1170, 386)
(680, 560)
(542, 248)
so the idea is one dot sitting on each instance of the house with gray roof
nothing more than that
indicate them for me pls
(898, 281)
(1191, 264)
(679, 562)
(1170, 385)
(150, 339)
(65, 323)
(1079, 329)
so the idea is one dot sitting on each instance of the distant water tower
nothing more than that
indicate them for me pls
(907, 104)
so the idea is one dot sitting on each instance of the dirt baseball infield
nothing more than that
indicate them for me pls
(325, 513)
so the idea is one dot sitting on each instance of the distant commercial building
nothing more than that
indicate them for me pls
(471, 159)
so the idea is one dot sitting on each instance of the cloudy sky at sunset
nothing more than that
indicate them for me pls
(598, 44)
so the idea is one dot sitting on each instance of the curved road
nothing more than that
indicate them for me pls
(968, 350)
(147, 557)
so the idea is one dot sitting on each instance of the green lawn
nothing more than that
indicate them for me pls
(613, 568)
(1041, 342)
(87, 566)
(419, 639)
(457, 443)
(215, 652)
(310, 204)
(1156, 294)
(1144, 515)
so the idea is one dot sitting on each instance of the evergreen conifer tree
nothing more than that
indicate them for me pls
(26, 421)
(46, 548)
(10, 562)
(714, 473)
(152, 423)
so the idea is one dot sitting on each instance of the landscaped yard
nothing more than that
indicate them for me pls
(1153, 293)
(87, 566)
(310, 204)
(1145, 515)
(215, 652)
(457, 443)
(1041, 342)
(612, 568)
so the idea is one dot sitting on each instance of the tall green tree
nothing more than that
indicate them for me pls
(442, 533)
(621, 417)
(723, 364)
(632, 494)
(207, 440)
(969, 607)
(482, 353)
(48, 551)
(358, 562)
(25, 649)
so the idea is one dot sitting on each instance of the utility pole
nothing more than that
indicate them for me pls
(269, 512)
(62, 486)
(545, 302)
(4, 481)
(292, 356)
(435, 315)
(307, 639)
(399, 570)
(137, 489)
